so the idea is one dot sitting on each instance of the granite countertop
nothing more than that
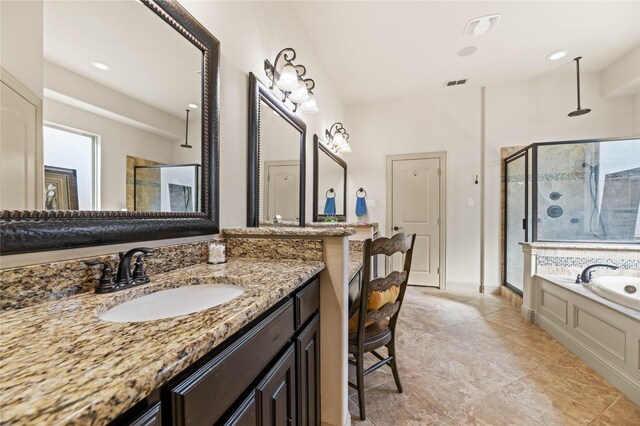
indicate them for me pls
(569, 283)
(62, 365)
(339, 231)
(582, 246)
(347, 224)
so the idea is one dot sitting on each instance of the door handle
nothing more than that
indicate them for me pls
(397, 228)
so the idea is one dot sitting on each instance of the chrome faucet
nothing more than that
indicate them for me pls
(585, 277)
(124, 278)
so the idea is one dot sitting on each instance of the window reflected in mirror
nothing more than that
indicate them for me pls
(279, 175)
(115, 133)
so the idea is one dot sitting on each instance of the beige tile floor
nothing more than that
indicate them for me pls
(469, 359)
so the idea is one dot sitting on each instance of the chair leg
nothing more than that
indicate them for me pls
(360, 379)
(391, 347)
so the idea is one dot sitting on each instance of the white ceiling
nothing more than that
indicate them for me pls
(150, 61)
(375, 51)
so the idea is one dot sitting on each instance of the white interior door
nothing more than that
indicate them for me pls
(18, 152)
(416, 210)
(283, 192)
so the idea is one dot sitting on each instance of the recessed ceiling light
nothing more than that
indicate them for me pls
(554, 56)
(482, 25)
(194, 106)
(101, 65)
(467, 51)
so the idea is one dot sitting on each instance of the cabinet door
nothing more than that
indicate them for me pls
(308, 366)
(277, 393)
(245, 415)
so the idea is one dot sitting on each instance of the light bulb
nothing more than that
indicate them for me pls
(301, 94)
(346, 148)
(288, 80)
(310, 105)
(338, 139)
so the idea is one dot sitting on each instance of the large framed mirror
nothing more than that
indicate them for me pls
(276, 172)
(123, 144)
(329, 184)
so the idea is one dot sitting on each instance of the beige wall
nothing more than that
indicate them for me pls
(249, 33)
(450, 119)
(21, 41)
(444, 121)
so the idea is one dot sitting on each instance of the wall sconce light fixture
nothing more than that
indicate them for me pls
(338, 138)
(289, 78)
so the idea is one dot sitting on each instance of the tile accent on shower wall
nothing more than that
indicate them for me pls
(267, 248)
(583, 262)
(548, 177)
(29, 285)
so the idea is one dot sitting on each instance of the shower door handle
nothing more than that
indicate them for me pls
(524, 224)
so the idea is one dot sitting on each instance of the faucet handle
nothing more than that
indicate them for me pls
(106, 283)
(139, 275)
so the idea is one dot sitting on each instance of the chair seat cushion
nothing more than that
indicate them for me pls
(376, 335)
(377, 299)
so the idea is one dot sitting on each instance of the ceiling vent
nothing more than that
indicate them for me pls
(482, 25)
(456, 82)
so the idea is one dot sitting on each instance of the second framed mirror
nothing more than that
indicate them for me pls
(276, 172)
(329, 184)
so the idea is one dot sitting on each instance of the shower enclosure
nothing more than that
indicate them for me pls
(571, 191)
(167, 188)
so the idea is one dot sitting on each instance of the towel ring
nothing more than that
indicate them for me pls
(361, 190)
(330, 191)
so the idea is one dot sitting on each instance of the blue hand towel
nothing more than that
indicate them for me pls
(361, 206)
(330, 206)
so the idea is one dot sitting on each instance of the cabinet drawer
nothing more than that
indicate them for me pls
(204, 396)
(307, 302)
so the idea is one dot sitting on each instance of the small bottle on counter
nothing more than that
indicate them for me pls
(217, 252)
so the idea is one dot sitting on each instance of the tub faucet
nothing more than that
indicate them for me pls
(585, 277)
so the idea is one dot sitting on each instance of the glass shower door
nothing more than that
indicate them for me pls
(516, 186)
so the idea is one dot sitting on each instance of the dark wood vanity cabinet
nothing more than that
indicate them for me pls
(267, 374)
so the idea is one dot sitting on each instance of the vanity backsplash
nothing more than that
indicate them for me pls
(29, 285)
(270, 248)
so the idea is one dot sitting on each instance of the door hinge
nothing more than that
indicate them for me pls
(438, 271)
(438, 221)
(439, 172)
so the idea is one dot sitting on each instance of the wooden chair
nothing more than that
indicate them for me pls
(377, 328)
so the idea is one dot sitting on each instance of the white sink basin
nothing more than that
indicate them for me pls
(173, 303)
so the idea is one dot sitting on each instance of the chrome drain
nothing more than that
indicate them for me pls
(630, 289)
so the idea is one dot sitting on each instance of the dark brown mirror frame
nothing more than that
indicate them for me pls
(23, 231)
(259, 92)
(317, 147)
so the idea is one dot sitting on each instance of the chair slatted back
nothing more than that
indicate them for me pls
(399, 243)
